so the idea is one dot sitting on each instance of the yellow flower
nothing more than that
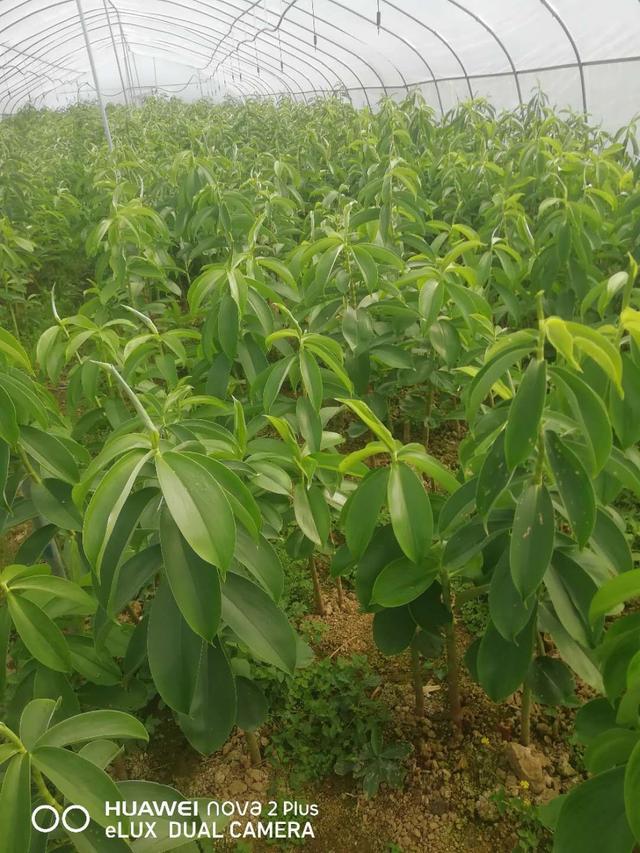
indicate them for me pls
(524, 784)
(484, 741)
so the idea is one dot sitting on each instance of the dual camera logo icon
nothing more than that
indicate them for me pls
(42, 823)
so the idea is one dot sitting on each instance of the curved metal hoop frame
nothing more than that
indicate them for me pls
(299, 49)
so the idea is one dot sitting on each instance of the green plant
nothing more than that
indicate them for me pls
(259, 313)
(532, 834)
(375, 764)
(324, 715)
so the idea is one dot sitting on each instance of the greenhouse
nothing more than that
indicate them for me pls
(319, 426)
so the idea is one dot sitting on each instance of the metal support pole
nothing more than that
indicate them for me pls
(125, 52)
(115, 52)
(135, 71)
(96, 83)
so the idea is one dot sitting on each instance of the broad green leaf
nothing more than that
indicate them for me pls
(632, 791)
(574, 485)
(531, 539)
(493, 370)
(610, 542)
(618, 590)
(39, 633)
(57, 588)
(51, 453)
(312, 513)
(374, 423)
(14, 350)
(15, 805)
(35, 720)
(32, 548)
(503, 664)
(382, 550)
(53, 500)
(393, 630)
(199, 507)
(415, 456)
(410, 511)
(525, 413)
(311, 378)
(91, 725)
(107, 503)
(241, 500)
(214, 707)
(253, 708)
(5, 458)
(592, 818)
(493, 478)
(258, 622)
(611, 748)
(571, 589)
(275, 380)
(174, 651)
(194, 583)
(551, 681)
(309, 424)
(402, 581)
(429, 610)
(9, 430)
(589, 412)
(363, 510)
(579, 658)
(625, 412)
(509, 613)
(262, 561)
(78, 779)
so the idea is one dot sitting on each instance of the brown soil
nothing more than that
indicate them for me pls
(445, 806)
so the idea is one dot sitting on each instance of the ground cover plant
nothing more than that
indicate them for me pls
(229, 350)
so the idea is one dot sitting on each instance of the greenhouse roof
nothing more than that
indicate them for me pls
(582, 53)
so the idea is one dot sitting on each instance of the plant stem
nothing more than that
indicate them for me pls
(7, 734)
(471, 593)
(427, 419)
(317, 591)
(31, 471)
(254, 748)
(525, 716)
(416, 675)
(453, 665)
(340, 595)
(44, 792)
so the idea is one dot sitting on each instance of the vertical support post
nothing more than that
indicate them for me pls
(135, 71)
(125, 52)
(96, 83)
(115, 52)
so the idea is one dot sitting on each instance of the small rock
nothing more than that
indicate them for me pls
(486, 810)
(527, 764)
(564, 768)
(438, 805)
(236, 788)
